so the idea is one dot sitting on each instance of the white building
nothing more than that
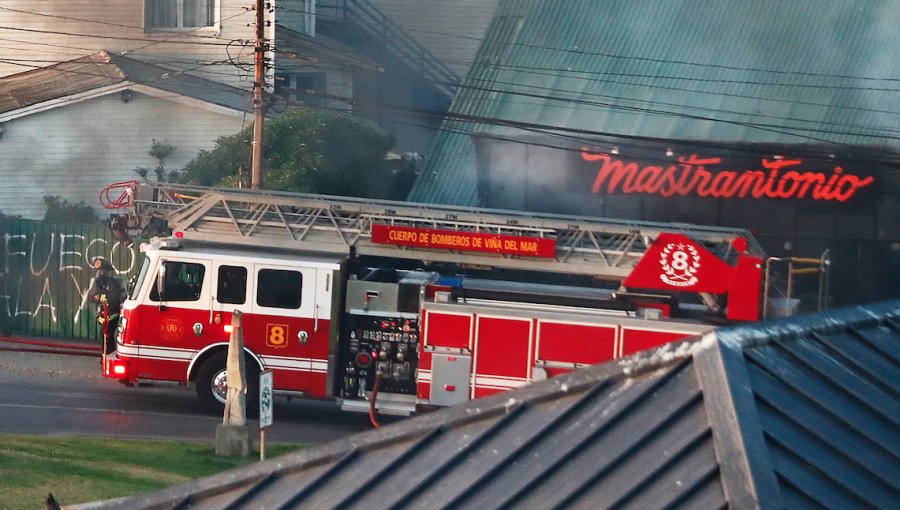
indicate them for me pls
(75, 127)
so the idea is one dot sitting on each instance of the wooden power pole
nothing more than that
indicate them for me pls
(258, 87)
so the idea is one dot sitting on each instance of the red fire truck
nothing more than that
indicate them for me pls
(421, 305)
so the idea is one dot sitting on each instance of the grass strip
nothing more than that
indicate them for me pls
(78, 469)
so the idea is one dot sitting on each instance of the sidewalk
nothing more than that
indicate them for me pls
(59, 357)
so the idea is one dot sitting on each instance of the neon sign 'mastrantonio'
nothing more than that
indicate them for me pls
(777, 179)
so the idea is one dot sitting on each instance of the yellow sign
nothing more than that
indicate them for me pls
(277, 335)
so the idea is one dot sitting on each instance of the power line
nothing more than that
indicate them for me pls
(532, 126)
(538, 70)
(583, 99)
(119, 37)
(67, 18)
(687, 63)
(453, 122)
(579, 101)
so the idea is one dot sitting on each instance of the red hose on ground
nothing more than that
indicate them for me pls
(372, 398)
(48, 351)
(54, 345)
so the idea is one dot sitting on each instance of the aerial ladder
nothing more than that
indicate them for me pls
(603, 248)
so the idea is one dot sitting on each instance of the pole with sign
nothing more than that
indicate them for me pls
(265, 409)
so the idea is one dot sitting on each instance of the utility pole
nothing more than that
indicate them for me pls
(258, 87)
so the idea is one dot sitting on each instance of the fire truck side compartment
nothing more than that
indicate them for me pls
(450, 383)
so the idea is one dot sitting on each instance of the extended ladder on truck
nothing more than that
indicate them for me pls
(603, 248)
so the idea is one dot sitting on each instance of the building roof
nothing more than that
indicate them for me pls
(792, 413)
(62, 83)
(691, 70)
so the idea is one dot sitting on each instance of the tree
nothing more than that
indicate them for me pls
(308, 151)
(60, 210)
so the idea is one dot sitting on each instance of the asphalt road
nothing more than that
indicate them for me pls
(58, 394)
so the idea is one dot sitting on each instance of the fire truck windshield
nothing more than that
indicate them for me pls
(142, 275)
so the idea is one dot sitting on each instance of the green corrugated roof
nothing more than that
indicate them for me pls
(729, 71)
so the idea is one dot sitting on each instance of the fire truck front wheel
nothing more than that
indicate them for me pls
(211, 384)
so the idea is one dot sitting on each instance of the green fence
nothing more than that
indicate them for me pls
(47, 276)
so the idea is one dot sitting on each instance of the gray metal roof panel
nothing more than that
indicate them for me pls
(182, 83)
(828, 397)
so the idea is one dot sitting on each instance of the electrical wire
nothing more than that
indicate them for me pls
(578, 100)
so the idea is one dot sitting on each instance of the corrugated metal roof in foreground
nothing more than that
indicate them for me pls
(828, 400)
(794, 413)
(694, 70)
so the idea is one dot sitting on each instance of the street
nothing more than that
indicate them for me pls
(55, 394)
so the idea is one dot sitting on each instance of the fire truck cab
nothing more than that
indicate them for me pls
(177, 319)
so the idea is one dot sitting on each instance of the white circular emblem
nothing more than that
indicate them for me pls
(679, 263)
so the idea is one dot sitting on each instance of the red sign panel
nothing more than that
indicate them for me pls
(675, 262)
(464, 241)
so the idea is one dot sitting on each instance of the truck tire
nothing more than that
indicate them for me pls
(212, 389)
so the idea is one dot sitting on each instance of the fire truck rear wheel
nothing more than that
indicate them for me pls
(211, 384)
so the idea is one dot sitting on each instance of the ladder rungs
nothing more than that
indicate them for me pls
(607, 248)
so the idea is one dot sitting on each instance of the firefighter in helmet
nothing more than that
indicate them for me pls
(108, 294)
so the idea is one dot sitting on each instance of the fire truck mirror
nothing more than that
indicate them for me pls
(161, 282)
(131, 283)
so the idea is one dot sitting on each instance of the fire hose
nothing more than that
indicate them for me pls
(372, 398)
(105, 307)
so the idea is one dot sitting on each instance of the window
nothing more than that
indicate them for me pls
(279, 288)
(174, 14)
(232, 287)
(183, 281)
(300, 15)
(305, 88)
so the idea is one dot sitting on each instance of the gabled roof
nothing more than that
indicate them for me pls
(64, 79)
(678, 70)
(793, 413)
(103, 73)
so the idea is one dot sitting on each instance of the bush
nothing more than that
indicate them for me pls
(60, 210)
